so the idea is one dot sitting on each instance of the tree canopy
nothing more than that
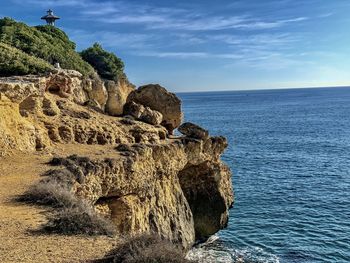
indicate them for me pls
(107, 64)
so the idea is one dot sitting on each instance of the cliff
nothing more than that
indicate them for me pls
(135, 172)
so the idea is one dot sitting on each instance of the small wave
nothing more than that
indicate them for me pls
(214, 251)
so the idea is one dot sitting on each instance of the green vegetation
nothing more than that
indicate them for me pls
(15, 62)
(35, 49)
(108, 65)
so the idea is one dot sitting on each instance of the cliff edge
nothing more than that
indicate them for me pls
(148, 181)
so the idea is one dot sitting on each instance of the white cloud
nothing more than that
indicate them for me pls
(53, 3)
(112, 39)
(189, 55)
(153, 17)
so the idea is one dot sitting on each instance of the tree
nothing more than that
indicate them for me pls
(107, 64)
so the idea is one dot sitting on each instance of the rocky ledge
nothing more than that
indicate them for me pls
(151, 181)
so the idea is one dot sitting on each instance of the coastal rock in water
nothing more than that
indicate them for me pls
(158, 98)
(193, 131)
(208, 190)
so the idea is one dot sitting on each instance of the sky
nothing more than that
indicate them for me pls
(203, 45)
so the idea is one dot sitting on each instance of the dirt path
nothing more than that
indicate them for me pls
(17, 242)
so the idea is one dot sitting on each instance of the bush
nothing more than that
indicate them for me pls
(107, 65)
(15, 62)
(146, 249)
(46, 43)
(73, 216)
(79, 219)
(48, 193)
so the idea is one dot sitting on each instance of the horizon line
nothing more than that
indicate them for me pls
(264, 89)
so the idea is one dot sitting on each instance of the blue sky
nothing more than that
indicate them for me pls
(202, 45)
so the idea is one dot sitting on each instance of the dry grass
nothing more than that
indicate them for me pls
(72, 216)
(146, 249)
(50, 193)
(79, 219)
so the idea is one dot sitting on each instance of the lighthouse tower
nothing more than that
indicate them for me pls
(50, 18)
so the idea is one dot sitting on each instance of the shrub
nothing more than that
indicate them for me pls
(79, 219)
(146, 249)
(46, 43)
(15, 62)
(48, 193)
(107, 65)
(73, 216)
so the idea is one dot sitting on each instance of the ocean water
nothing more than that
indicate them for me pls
(289, 151)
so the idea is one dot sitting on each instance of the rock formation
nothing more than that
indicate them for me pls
(193, 131)
(158, 98)
(117, 96)
(142, 113)
(178, 188)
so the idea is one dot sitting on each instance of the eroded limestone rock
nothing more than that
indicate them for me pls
(193, 131)
(208, 190)
(117, 96)
(158, 98)
(96, 91)
(142, 113)
(179, 190)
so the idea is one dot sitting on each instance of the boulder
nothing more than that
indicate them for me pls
(158, 98)
(142, 113)
(134, 109)
(193, 131)
(151, 116)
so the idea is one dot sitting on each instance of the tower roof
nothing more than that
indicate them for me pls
(50, 15)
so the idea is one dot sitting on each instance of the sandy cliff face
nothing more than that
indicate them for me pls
(178, 188)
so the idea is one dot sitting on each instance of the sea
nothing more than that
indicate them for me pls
(289, 151)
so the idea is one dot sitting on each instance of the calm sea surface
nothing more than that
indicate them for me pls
(290, 155)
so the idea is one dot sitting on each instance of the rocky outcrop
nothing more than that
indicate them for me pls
(42, 111)
(16, 133)
(117, 96)
(142, 113)
(208, 190)
(179, 190)
(96, 91)
(158, 98)
(66, 83)
(146, 182)
(193, 131)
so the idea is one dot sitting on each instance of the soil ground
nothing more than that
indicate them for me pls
(19, 240)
